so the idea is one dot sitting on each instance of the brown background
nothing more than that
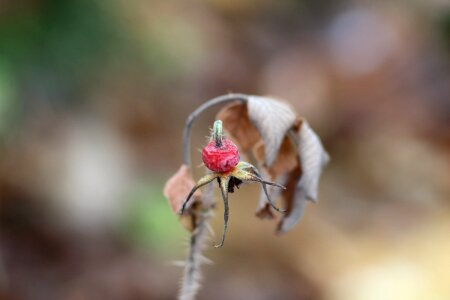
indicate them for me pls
(93, 97)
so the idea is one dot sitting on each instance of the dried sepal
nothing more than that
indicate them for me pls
(203, 181)
(247, 172)
(223, 184)
(264, 210)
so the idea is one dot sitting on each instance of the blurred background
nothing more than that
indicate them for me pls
(93, 98)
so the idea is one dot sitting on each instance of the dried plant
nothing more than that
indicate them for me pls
(284, 148)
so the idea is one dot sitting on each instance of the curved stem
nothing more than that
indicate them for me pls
(192, 272)
(190, 120)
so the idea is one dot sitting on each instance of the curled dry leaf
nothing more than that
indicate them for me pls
(294, 203)
(288, 150)
(272, 119)
(176, 189)
(285, 161)
(313, 158)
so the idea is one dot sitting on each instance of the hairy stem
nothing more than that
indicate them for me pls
(192, 272)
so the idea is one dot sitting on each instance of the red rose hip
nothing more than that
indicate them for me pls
(220, 158)
(220, 155)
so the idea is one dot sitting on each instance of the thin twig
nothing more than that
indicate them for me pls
(192, 274)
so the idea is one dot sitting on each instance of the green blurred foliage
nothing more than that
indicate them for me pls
(8, 91)
(150, 223)
(58, 45)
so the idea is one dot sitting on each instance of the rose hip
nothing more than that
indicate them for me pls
(220, 158)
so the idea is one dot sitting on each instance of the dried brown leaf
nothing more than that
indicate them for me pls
(294, 206)
(289, 192)
(313, 158)
(189, 221)
(285, 163)
(272, 119)
(177, 188)
(286, 160)
(237, 123)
